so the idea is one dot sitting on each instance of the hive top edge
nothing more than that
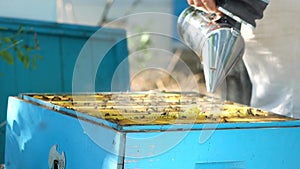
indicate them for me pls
(154, 108)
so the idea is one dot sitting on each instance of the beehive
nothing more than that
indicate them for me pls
(146, 130)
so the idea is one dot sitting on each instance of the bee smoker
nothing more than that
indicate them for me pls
(219, 44)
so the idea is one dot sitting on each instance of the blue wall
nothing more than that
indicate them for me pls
(60, 45)
(178, 7)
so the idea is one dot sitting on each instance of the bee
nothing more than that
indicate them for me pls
(249, 111)
(56, 98)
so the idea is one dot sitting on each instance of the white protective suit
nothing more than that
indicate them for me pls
(272, 58)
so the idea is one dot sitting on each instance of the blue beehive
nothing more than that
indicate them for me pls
(145, 130)
(59, 45)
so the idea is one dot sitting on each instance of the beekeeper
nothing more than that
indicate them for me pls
(272, 55)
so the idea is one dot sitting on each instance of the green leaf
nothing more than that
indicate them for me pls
(29, 48)
(7, 57)
(145, 38)
(12, 48)
(2, 28)
(12, 40)
(20, 55)
(34, 60)
(6, 40)
(26, 62)
(20, 29)
(15, 48)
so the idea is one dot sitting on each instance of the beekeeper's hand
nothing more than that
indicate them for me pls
(247, 10)
(207, 5)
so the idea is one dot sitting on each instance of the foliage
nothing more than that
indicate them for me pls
(13, 47)
(141, 43)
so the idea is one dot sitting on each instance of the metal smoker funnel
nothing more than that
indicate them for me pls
(219, 44)
(220, 52)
